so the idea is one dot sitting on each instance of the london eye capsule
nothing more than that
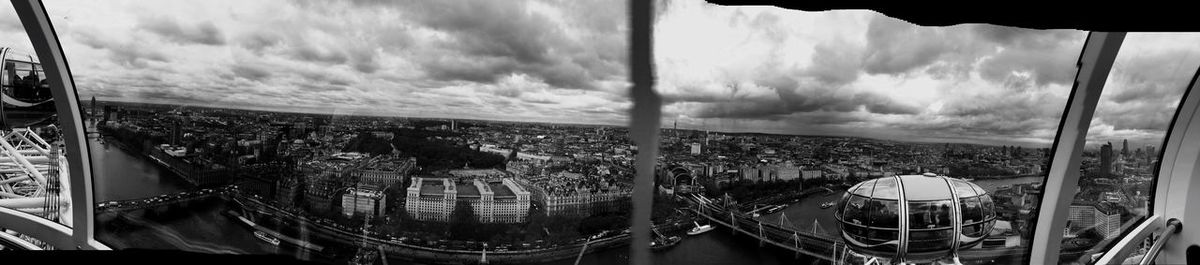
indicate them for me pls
(915, 218)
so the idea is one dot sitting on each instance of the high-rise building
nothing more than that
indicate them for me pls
(1106, 159)
(1125, 147)
(1102, 217)
(695, 148)
(176, 133)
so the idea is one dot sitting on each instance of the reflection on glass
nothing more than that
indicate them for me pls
(1147, 82)
(972, 210)
(926, 215)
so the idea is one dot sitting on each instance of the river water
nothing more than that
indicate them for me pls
(202, 228)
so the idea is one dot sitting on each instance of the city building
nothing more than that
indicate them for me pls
(1106, 159)
(1103, 217)
(477, 173)
(431, 199)
(435, 199)
(695, 148)
(288, 191)
(385, 172)
(580, 204)
(368, 200)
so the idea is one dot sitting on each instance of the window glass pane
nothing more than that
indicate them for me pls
(791, 108)
(34, 175)
(972, 210)
(989, 208)
(430, 131)
(1124, 143)
(856, 211)
(926, 215)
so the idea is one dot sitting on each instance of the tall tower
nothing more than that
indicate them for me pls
(1106, 152)
(176, 133)
(1125, 148)
(93, 114)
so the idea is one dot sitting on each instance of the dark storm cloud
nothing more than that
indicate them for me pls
(1024, 38)
(260, 40)
(1153, 77)
(307, 52)
(1049, 56)
(251, 72)
(321, 88)
(895, 46)
(202, 33)
(792, 98)
(1146, 89)
(1151, 116)
(1019, 114)
(128, 53)
(490, 40)
(834, 65)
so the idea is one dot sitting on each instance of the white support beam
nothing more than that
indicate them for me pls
(45, 43)
(1176, 176)
(1094, 64)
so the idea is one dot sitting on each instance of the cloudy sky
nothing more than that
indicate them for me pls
(862, 73)
(755, 69)
(524, 60)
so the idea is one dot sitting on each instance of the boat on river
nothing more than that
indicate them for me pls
(699, 229)
(269, 239)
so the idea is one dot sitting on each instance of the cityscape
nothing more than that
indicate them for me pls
(512, 192)
(460, 132)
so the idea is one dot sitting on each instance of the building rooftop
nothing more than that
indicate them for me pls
(467, 189)
(432, 187)
(500, 189)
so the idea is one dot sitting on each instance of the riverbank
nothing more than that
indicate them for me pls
(428, 255)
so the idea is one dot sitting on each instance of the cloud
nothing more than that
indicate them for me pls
(127, 53)
(860, 73)
(895, 46)
(201, 33)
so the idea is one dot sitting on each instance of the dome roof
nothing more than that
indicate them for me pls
(916, 188)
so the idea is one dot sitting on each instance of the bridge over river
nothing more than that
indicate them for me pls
(161, 200)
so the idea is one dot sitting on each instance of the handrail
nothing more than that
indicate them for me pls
(1173, 227)
(24, 245)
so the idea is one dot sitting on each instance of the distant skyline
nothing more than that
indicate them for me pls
(732, 69)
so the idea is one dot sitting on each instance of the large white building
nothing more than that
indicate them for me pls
(434, 199)
(368, 200)
(1101, 216)
(431, 199)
